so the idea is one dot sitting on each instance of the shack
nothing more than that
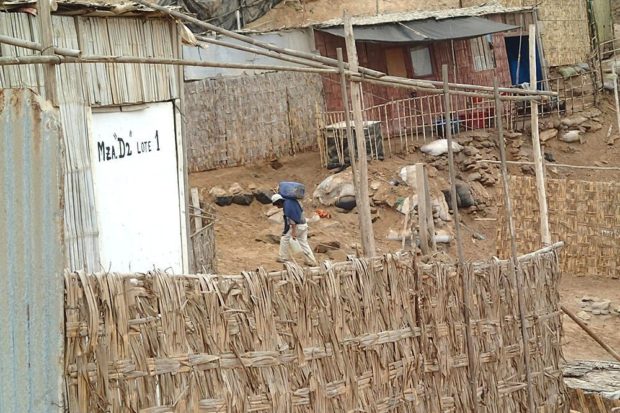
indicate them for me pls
(125, 175)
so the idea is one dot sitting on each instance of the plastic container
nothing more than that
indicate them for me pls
(294, 246)
(292, 190)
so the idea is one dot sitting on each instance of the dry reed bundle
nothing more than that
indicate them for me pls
(365, 335)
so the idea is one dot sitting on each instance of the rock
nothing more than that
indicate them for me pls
(276, 164)
(528, 170)
(325, 247)
(584, 316)
(574, 120)
(375, 185)
(235, 189)
(571, 136)
(408, 175)
(217, 191)
(592, 126)
(223, 200)
(346, 202)
(252, 187)
(474, 176)
(263, 196)
(512, 134)
(549, 157)
(441, 206)
(591, 113)
(596, 312)
(440, 147)
(548, 134)
(587, 298)
(471, 151)
(601, 305)
(243, 199)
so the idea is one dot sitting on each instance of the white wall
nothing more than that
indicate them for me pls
(134, 160)
(300, 40)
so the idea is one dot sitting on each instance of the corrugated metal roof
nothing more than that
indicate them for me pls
(485, 9)
(31, 261)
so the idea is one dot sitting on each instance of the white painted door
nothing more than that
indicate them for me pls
(134, 160)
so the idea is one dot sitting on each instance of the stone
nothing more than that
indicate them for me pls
(269, 238)
(549, 157)
(512, 134)
(325, 247)
(217, 191)
(346, 202)
(601, 305)
(474, 176)
(276, 164)
(243, 199)
(263, 196)
(223, 200)
(596, 312)
(252, 187)
(584, 316)
(548, 134)
(592, 126)
(235, 189)
(571, 136)
(574, 120)
(528, 170)
(471, 151)
(375, 185)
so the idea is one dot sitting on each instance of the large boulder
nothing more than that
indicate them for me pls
(335, 187)
(464, 197)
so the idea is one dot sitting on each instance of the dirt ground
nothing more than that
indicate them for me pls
(242, 232)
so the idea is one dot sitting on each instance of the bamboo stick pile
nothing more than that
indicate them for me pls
(382, 334)
(584, 214)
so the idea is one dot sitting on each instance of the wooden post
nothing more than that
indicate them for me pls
(516, 267)
(363, 206)
(47, 45)
(473, 371)
(591, 333)
(196, 205)
(347, 120)
(616, 100)
(538, 159)
(425, 211)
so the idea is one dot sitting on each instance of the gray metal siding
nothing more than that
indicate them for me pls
(31, 259)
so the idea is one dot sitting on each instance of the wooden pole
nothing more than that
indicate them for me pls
(268, 53)
(363, 206)
(591, 333)
(558, 165)
(538, 159)
(425, 212)
(26, 44)
(347, 120)
(516, 270)
(473, 370)
(616, 100)
(47, 49)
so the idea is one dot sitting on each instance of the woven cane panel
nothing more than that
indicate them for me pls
(374, 336)
(585, 215)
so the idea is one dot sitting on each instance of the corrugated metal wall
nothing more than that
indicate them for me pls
(31, 260)
(82, 86)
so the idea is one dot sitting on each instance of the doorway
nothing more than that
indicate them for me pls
(520, 66)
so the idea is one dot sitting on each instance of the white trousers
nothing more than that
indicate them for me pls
(302, 238)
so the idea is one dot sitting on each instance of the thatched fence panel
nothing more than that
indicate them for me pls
(379, 335)
(232, 121)
(584, 214)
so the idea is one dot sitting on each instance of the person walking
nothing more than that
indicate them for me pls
(295, 227)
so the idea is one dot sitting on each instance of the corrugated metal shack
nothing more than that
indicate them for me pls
(84, 90)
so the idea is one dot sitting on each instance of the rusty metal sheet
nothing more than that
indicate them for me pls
(31, 256)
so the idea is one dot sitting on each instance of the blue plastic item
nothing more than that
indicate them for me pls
(292, 190)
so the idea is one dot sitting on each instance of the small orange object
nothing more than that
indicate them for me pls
(323, 214)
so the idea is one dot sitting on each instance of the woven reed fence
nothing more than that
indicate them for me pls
(583, 214)
(375, 336)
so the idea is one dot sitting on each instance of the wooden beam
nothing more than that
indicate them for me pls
(465, 286)
(591, 333)
(47, 46)
(545, 233)
(26, 44)
(363, 205)
(516, 270)
(425, 211)
(616, 100)
(347, 120)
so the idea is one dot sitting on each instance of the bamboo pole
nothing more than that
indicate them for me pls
(425, 212)
(616, 100)
(249, 40)
(538, 159)
(26, 44)
(516, 272)
(47, 45)
(559, 165)
(473, 371)
(368, 239)
(591, 333)
(347, 120)
(268, 53)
